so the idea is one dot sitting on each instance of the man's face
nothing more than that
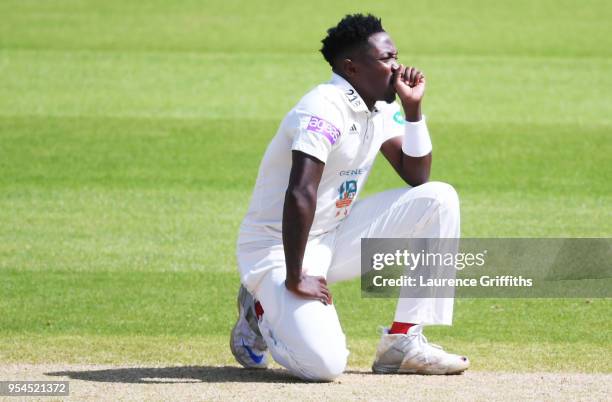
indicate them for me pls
(373, 79)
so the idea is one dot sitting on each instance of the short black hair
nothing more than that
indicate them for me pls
(351, 32)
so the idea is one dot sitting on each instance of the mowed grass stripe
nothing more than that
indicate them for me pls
(52, 152)
(203, 303)
(549, 27)
(228, 85)
(147, 230)
(560, 159)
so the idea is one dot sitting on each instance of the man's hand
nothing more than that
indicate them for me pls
(409, 85)
(310, 287)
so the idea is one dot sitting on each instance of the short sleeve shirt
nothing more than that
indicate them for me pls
(332, 124)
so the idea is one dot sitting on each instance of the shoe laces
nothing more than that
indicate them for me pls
(417, 335)
(422, 340)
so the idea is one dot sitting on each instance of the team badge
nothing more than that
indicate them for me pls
(346, 194)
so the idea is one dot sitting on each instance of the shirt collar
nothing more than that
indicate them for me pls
(350, 94)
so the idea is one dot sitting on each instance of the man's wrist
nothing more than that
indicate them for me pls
(416, 142)
(293, 279)
(412, 111)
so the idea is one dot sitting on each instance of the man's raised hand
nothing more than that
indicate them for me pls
(409, 85)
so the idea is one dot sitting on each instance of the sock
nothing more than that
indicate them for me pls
(258, 310)
(400, 327)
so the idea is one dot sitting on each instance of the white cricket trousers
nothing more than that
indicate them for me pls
(305, 336)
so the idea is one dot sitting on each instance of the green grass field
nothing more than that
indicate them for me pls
(131, 133)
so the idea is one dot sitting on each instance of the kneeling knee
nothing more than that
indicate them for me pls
(443, 192)
(326, 368)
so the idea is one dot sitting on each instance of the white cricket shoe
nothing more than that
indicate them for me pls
(246, 342)
(412, 354)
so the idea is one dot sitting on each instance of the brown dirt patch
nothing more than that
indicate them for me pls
(95, 382)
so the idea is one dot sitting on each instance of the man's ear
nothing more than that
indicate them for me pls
(349, 68)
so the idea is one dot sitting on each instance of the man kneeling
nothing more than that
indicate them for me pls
(304, 224)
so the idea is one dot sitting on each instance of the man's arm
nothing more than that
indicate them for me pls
(410, 87)
(414, 171)
(298, 214)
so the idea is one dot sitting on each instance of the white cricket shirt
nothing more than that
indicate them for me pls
(333, 124)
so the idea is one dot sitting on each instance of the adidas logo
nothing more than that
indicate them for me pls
(354, 129)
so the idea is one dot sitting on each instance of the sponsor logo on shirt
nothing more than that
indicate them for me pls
(352, 172)
(321, 126)
(346, 194)
(354, 129)
(399, 119)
